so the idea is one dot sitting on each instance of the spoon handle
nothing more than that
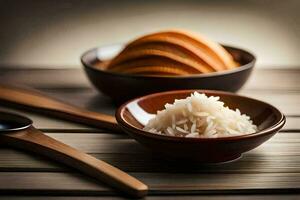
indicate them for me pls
(38, 102)
(34, 140)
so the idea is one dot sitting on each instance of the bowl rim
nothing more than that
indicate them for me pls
(275, 127)
(190, 76)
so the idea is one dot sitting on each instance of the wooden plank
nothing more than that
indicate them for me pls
(292, 124)
(88, 98)
(273, 167)
(52, 124)
(249, 163)
(106, 143)
(44, 122)
(288, 102)
(46, 78)
(159, 183)
(281, 154)
(47, 183)
(274, 79)
(271, 79)
(168, 197)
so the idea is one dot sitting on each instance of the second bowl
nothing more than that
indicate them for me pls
(122, 87)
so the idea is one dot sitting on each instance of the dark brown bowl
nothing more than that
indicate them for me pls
(207, 150)
(122, 87)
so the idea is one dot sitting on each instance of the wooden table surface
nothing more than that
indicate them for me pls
(271, 171)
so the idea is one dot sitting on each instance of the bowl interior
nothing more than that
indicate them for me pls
(263, 114)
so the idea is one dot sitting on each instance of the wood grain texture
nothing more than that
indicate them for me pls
(287, 102)
(168, 197)
(113, 143)
(261, 79)
(57, 125)
(159, 183)
(292, 124)
(279, 155)
(272, 168)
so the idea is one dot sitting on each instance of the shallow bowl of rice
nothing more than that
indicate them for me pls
(203, 125)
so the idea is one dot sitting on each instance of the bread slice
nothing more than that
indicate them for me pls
(177, 50)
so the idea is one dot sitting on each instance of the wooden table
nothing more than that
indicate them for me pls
(271, 171)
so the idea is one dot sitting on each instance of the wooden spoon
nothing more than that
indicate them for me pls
(37, 102)
(17, 131)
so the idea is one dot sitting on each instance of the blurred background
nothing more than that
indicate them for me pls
(54, 33)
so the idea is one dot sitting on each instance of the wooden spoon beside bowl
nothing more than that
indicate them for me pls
(268, 119)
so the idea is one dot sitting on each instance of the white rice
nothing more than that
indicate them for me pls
(201, 117)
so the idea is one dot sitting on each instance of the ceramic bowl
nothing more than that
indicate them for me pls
(122, 87)
(206, 150)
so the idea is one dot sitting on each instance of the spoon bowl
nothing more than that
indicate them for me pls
(12, 122)
(268, 119)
